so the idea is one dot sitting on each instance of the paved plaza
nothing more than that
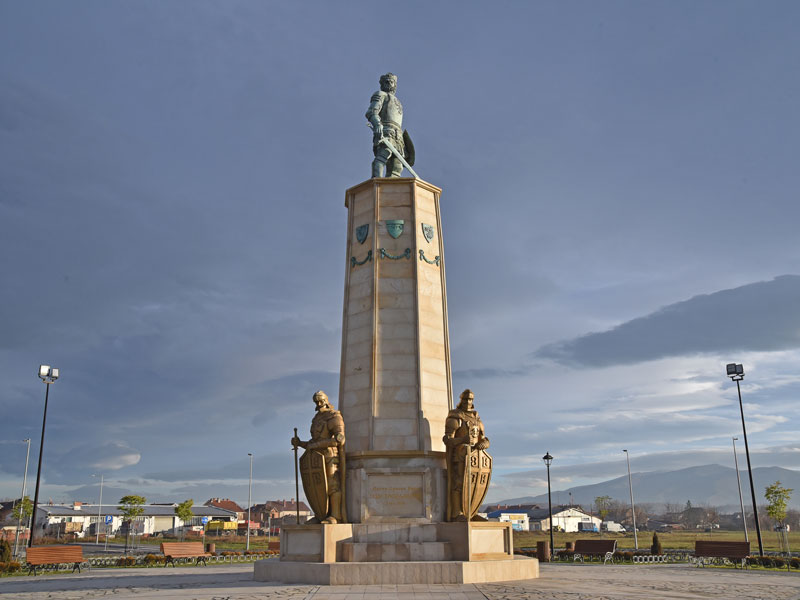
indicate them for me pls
(557, 582)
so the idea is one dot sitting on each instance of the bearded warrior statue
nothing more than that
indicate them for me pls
(322, 465)
(469, 466)
(391, 144)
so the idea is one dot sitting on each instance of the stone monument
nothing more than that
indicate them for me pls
(395, 398)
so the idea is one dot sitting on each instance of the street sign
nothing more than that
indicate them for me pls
(109, 519)
(204, 520)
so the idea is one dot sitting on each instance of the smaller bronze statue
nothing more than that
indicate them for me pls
(469, 466)
(391, 144)
(322, 465)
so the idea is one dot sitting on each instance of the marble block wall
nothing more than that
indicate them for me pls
(395, 385)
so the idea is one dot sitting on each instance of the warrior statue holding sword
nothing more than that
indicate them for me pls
(390, 142)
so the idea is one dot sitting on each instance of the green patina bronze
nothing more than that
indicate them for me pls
(361, 233)
(427, 231)
(435, 261)
(391, 144)
(354, 263)
(394, 227)
(385, 254)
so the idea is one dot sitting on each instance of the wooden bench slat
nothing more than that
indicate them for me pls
(44, 555)
(173, 550)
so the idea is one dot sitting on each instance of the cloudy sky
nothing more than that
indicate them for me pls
(620, 214)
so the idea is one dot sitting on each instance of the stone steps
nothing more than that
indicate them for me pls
(395, 552)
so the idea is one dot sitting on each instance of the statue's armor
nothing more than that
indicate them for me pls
(385, 109)
(458, 425)
(328, 426)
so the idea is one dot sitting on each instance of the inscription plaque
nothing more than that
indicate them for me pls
(395, 495)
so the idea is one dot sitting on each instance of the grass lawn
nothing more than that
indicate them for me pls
(677, 540)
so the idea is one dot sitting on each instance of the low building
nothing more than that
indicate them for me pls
(227, 504)
(519, 521)
(565, 518)
(82, 519)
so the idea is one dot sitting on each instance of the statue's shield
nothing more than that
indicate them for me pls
(409, 153)
(361, 233)
(315, 482)
(427, 231)
(480, 474)
(394, 227)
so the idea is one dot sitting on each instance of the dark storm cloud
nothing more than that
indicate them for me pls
(763, 316)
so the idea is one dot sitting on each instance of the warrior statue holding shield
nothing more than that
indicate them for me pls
(469, 466)
(322, 465)
(391, 144)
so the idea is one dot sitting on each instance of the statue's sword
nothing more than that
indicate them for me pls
(394, 151)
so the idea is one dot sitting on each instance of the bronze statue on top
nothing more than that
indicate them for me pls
(322, 465)
(469, 466)
(391, 144)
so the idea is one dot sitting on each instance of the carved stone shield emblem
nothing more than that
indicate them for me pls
(394, 227)
(480, 475)
(361, 233)
(315, 482)
(427, 231)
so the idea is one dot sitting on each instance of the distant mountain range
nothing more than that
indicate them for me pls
(714, 485)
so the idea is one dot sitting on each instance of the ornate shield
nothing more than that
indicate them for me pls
(394, 227)
(315, 482)
(480, 474)
(361, 233)
(427, 231)
(408, 149)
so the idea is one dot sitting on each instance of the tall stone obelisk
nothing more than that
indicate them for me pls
(395, 387)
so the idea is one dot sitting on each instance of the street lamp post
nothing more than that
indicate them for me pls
(249, 497)
(99, 508)
(48, 375)
(633, 508)
(22, 497)
(736, 373)
(739, 487)
(547, 461)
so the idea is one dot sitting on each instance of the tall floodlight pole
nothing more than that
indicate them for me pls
(99, 508)
(633, 507)
(739, 486)
(736, 373)
(48, 375)
(22, 497)
(249, 497)
(547, 461)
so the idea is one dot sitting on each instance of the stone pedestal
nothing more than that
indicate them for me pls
(395, 392)
(395, 387)
(365, 553)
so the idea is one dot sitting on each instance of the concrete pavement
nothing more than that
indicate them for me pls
(557, 582)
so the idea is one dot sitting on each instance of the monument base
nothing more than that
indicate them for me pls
(369, 573)
(396, 552)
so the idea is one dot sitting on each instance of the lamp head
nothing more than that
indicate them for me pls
(734, 371)
(47, 373)
(547, 459)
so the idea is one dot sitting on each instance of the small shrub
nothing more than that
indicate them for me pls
(126, 561)
(795, 562)
(655, 547)
(5, 551)
(766, 561)
(150, 559)
(13, 566)
(3, 567)
(627, 556)
(778, 562)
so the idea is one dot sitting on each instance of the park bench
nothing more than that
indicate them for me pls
(55, 555)
(705, 551)
(604, 548)
(173, 550)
